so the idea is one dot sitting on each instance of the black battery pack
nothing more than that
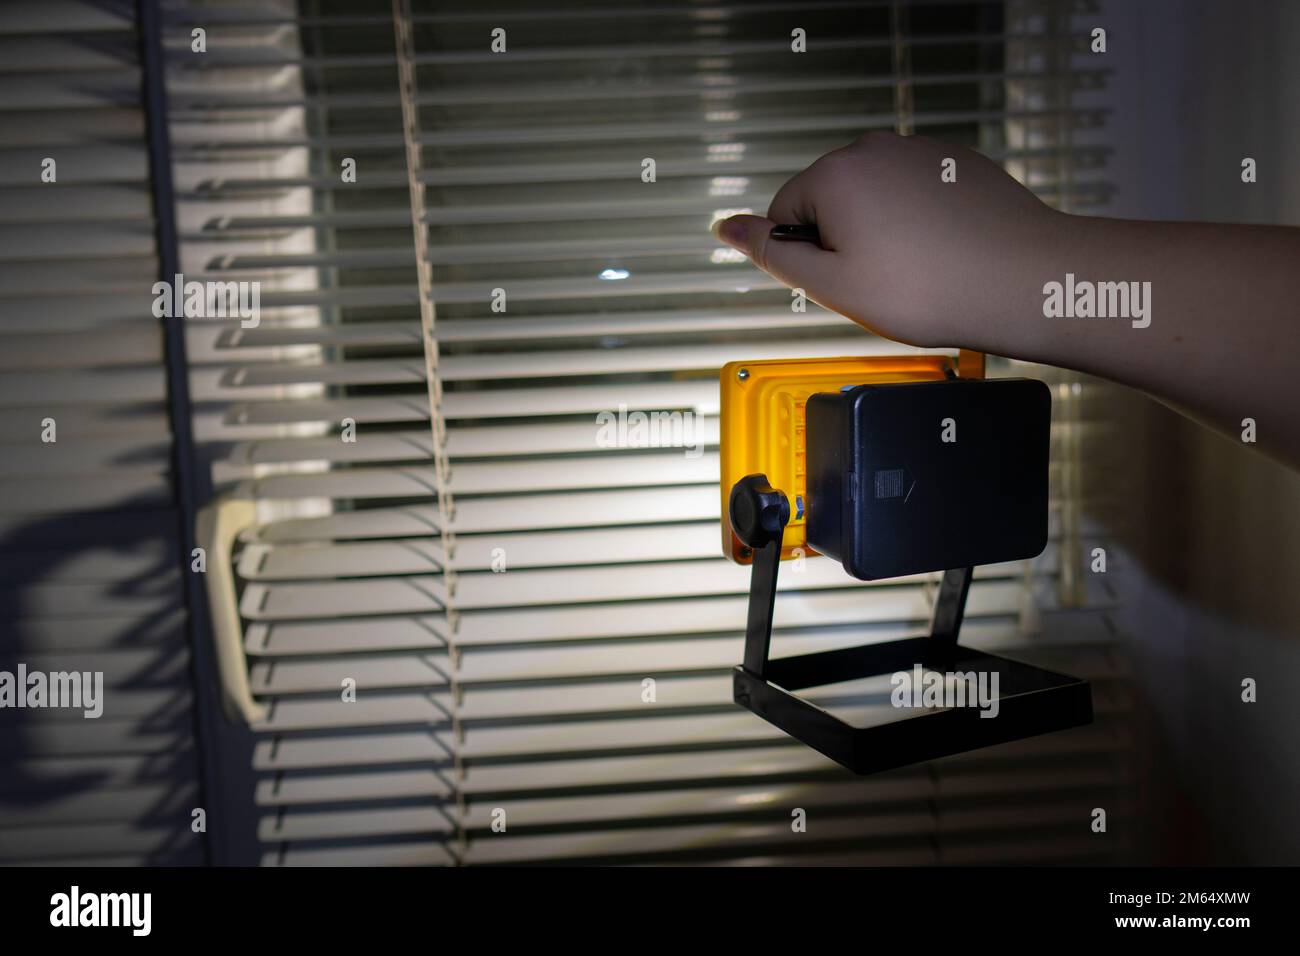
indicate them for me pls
(913, 477)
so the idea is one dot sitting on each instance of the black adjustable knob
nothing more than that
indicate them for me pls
(758, 512)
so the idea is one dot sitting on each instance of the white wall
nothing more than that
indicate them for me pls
(1196, 87)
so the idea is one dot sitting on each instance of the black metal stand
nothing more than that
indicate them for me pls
(1031, 700)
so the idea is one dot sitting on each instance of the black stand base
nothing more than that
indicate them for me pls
(1030, 700)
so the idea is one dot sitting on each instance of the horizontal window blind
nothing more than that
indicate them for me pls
(498, 585)
(89, 531)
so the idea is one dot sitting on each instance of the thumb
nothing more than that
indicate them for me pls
(797, 264)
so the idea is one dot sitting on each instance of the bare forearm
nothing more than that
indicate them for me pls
(1223, 322)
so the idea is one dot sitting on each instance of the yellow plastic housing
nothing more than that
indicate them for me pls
(763, 428)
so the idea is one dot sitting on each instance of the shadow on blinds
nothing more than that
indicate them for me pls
(96, 741)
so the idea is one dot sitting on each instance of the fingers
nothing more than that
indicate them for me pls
(797, 264)
(793, 202)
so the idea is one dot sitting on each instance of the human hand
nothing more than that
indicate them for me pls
(907, 255)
